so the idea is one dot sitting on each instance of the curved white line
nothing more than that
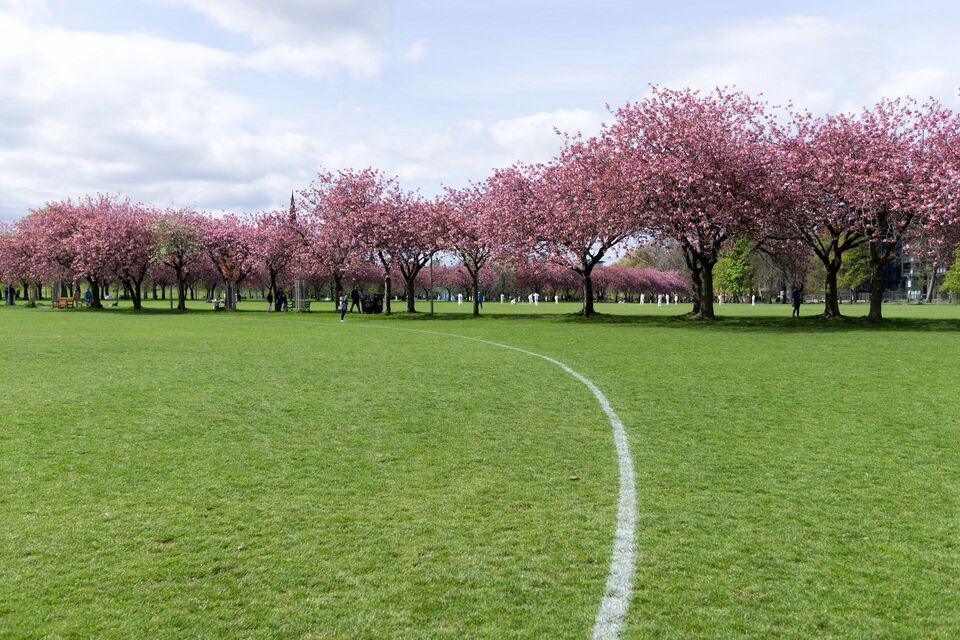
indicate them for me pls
(616, 599)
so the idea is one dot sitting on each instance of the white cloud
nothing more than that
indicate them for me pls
(455, 153)
(820, 64)
(82, 112)
(354, 55)
(314, 38)
(534, 137)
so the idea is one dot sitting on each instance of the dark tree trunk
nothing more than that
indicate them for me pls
(697, 292)
(411, 294)
(832, 297)
(136, 295)
(410, 281)
(588, 309)
(95, 294)
(696, 279)
(181, 292)
(877, 284)
(706, 292)
(230, 295)
(387, 293)
(475, 283)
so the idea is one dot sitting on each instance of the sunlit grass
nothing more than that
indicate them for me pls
(285, 475)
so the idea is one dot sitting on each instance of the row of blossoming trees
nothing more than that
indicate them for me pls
(692, 170)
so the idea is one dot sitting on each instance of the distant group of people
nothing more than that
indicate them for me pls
(278, 303)
(355, 299)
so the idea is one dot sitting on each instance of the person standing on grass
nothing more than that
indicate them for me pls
(480, 299)
(342, 306)
(355, 300)
(269, 300)
(796, 295)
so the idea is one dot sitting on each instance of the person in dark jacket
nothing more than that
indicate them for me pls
(355, 300)
(796, 295)
(269, 300)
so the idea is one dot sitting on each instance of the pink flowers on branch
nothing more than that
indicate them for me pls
(229, 244)
(572, 210)
(470, 218)
(701, 168)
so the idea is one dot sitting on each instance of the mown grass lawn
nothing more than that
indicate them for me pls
(276, 476)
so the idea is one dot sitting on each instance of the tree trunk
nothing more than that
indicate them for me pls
(230, 295)
(387, 293)
(181, 292)
(135, 295)
(877, 285)
(587, 309)
(706, 292)
(697, 291)
(832, 304)
(411, 294)
(931, 283)
(95, 294)
(475, 282)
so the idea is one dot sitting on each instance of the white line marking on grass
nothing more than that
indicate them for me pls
(616, 599)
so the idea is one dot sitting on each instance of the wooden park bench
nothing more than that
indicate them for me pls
(64, 302)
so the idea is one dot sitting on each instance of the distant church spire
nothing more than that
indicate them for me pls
(293, 207)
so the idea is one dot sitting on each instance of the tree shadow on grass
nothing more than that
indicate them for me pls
(761, 324)
(765, 324)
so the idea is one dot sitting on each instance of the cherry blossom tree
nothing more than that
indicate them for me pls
(332, 213)
(179, 247)
(582, 207)
(701, 164)
(880, 170)
(228, 243)
(10, 264)
(22, 257)
(811, 156)
(45, 241)
(940, 236)
(469, 214)
(114, 241)
(376, 223)
(276, 242)
(420, 230)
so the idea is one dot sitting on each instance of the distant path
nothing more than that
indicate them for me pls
(616, 599)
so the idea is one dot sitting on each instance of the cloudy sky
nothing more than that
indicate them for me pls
(230, 104)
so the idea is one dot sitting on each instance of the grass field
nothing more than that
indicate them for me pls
(287, 476)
